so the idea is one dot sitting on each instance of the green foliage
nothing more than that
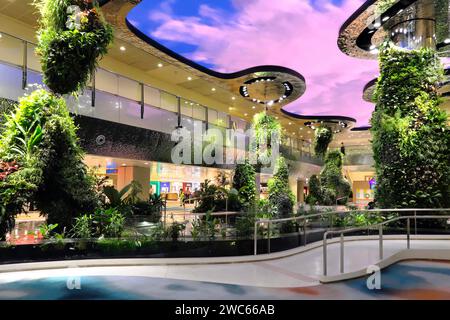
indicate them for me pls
(47, 229)
(70, 42)
(107, 223)
(212, 197)
(205, 228)
(281, 198)
(244, 182)
(331, 185)
(411, 137)
(267, 131)
(322, 138)
(41, 137)
(6, 107)
(174, 230)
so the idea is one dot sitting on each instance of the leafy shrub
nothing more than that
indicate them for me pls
(107, 223)
(411, 137)
(322, 138)
(205, 228)
(174, 230)
(73, 36)
(281, 198)
(212, 197)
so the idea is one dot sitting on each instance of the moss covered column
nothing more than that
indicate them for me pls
(411, 138)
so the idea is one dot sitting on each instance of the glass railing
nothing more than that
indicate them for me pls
(122, 100)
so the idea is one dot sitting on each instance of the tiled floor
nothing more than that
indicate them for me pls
(406, 280)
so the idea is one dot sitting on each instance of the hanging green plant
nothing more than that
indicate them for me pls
(72, 37)
(268, 133)
(411, 136)
(323, 137)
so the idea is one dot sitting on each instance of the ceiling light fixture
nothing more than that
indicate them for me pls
(447, 41)
(160, 65)
(122, 48)
(213, 89)
(189, 78)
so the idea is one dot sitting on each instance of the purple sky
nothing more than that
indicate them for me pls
(230, 35)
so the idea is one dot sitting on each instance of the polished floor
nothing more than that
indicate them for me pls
(405, 280)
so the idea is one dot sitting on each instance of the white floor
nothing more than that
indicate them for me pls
(299, 270)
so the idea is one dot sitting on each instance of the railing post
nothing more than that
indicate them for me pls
(325, 254)
(25, 65)
(93, 89)
(304, 231)
(415, 222)
(380, 232)
(342, 253)
(408, 231)
(268, 237)
(255, 239)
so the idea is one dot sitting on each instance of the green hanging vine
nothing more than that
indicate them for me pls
(72, 37)
(323, 137)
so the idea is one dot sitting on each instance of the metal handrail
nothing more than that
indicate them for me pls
(269, 222)
(378, 226)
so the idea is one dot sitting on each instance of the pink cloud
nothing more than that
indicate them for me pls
(290, 33)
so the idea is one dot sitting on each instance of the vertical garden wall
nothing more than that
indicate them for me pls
(411, 137)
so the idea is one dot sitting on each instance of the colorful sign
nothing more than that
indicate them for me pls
(155, 187)
(165, 187)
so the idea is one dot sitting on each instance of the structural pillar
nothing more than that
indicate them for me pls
(126, 174)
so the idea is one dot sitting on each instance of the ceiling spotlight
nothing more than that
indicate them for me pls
(122, 48)
(253, 107)
(276, 118)
(447, 41)
(377, 24)
(189, 78)
(1, 35)
(385, 19)
(372, 47)
(145, 162)
(374, 51)
(160, 65)
(124, 164)
(245, 114)
(270, 103)
(290, 123)
(233, 98)
(213, 89)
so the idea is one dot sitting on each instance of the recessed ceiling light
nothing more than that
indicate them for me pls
(253, 107)
(145, 162)
(245, 114)
(233, 98)
(447, 41)
(290, 123)
(1, 35)
(276, 118)
(189, 78)
(122, 48)
(230, 108)
(160, 65)
(377, 24)
(386, 18)
(124, 164)
(213, 89)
